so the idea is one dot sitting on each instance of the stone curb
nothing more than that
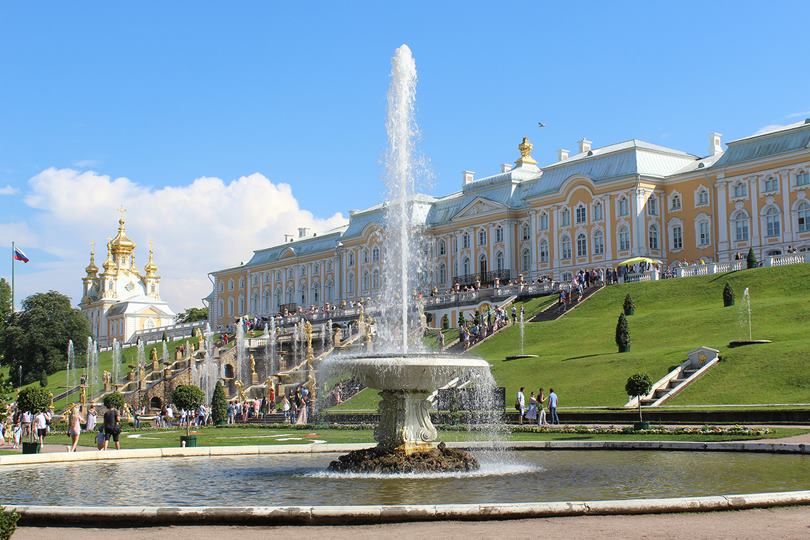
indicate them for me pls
(121, 516)
(207, 451)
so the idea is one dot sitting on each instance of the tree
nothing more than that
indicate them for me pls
(629, 306)
(193, 314)
(114, 400)
(33, 399)
(638, 385)
(622, 334)
(6, 397)
(751, 259)
(5, 310)
(43, 379)
(728, 296)
(461, 320)
(188, 397)
(219, 405)
(36, 338)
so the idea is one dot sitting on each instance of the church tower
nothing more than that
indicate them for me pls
(151, 279)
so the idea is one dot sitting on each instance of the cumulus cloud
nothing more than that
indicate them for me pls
(196, 228)
(8, 190)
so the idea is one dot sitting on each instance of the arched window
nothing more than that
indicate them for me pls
(482, 237)
(582, 245)
(442, 247)
(624, 238)
(499, 234)
(740, 221)
(802, 178)
(375, 254)
(773, 222)
(303, 297)
(652, 205)
(241, 283)
(465, 241)
(278, 299)
(278, 275)
(482, 265)
(328, 292)
(499, 261)
(230, 284)
(702, 197)
(771, 184)
(623, 207)
(704, 235)
(442, 273)
(675, 202)
(364, 255)
(350, 284)
(365, 281)
(598, 243)
(566, 246)
(653, 236)
(241, 306)
(351, 258)
(221, 308)
(526, 231)
(597, 211)
(803, 212)
(543, 221)
(566, 217)
(526, 260)
(676, 237)
(466, 266)
(544, 251)
(580, 214)
(740, 189)
(375, 279)
(316, 293)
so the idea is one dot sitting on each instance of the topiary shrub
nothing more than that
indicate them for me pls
(638, 385)
(34, 399)
(629, 306)
(188, 397)
(114, 400)
(728, 296)
(219, 405)
(8, 522)
(751, 259)
(622, 334)
(461, 320)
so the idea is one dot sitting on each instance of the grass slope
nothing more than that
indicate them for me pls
(578, 355)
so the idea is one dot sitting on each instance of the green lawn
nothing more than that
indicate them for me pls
(238, 436)
(578, 358)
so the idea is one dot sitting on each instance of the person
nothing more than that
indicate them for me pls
(520, 404)
(41, 425)
(441, 340)
(100, 437)
(541, 417)
(91, 418)
(302, 411)
(74, 427)
(231, 413)
(514, 314)
(531, 414)
(552, 406)
(17, 434)
(27, 417)
(112, 428)
(136, 415)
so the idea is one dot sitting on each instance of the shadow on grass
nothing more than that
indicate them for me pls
(586, 356)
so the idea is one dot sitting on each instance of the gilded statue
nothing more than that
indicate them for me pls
(153, 355)
(83, 395)
(252, 363)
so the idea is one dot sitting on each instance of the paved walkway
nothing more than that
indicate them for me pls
(782, 523)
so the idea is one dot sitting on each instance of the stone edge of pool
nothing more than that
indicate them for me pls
(120, 516)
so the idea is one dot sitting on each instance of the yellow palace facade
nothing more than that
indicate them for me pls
(593, 208)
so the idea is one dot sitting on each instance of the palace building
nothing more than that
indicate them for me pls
(120, 300)
(593, 208)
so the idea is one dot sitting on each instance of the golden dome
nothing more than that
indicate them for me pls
(109, 264)
(92, 269)
(121, 244)
(150, 268)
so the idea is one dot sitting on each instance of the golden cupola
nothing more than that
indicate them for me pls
(92, 269)
(109, 264)
(151, 268)
(121, 245)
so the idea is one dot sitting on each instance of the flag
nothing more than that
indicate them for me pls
(19, 255)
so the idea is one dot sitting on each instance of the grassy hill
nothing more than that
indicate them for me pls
(578, 358)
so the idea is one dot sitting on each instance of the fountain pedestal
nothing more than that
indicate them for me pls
(405, 423)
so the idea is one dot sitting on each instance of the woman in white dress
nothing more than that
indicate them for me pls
(531, 414)
(541, 418)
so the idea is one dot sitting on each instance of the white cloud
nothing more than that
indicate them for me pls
(8, 190)
(85, 163)
(196, 228)
(803, 114)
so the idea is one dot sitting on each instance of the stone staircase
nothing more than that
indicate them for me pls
(557, 310)
(699, 361)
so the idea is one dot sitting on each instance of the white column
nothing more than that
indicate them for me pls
(639, 230)
(509, 250)
(664, 230)
(787, 218)
(533, 264)
(555, 232)
(721, 219)
(607, 215)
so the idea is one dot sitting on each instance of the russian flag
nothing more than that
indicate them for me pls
(19, 255)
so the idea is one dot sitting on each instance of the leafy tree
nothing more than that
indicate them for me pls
(33, 399)
(43, 379)
(6, 397)
(5, 310)
(114, 400)
(219, 405)
(8, 522)
(188, 397)
(751, 259)
(638, 385)
(193, 315)
(36, 337)
(629, 306)
(728, 296)
(622, 334)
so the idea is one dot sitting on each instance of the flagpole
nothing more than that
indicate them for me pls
(12, 276)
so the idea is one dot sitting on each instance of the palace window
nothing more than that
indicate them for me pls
(351, 258)
(375, 254)
(702, 197)
(230, 307)
(804, 216)
(316, 294)
(598, 243)
(624, 238)
(582, 246)
(579, 214)
(482, 237)
(441, 247)
(623, 209)
(365, 256)
(328, 266)
(499, 234)
(597, 211)
(466, 266)
(350, 284)
(465, 241)
(442, 273)
(771, 184)
(773, 222)
(653, 237)
(740, 190)
(566, 247)
(740, 221)
(652, 206)
(525, 231)
(526, 259)
(543, 221)
(230, 284)
(677, 237)
(499, 261)
(328, 291)
(375, 279)
(221, 286)
(365, 281)
(566, 217)
(544, 251)
(704, 233)
(675, 202)
(241, 306)
(221, 308)
(802, 178)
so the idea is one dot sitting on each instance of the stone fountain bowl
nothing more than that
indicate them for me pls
(412, 372)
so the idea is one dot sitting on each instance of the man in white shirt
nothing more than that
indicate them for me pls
(520, 404)
(41, 424)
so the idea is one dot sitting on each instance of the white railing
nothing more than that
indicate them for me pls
(171, 331)
(784, 260)
(741, 264)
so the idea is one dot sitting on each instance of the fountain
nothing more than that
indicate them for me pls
(522, 340)
(116, 362)
(745, 322)
(141, 365)
(241, 360)
(272, 345)
(71, 369)
(210, 370)
(406, 377)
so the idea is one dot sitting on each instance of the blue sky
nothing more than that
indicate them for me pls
(162, 93)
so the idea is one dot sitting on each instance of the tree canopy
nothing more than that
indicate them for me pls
(36, 338)
(5, 310)
(193, 314)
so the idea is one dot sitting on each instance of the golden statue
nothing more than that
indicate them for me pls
(153, 355)
(83, 395)
(50, 395)
(200, 339)
(127, 412)
(525, 148)
(240, 391)
(252, 363)
(362, 318)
